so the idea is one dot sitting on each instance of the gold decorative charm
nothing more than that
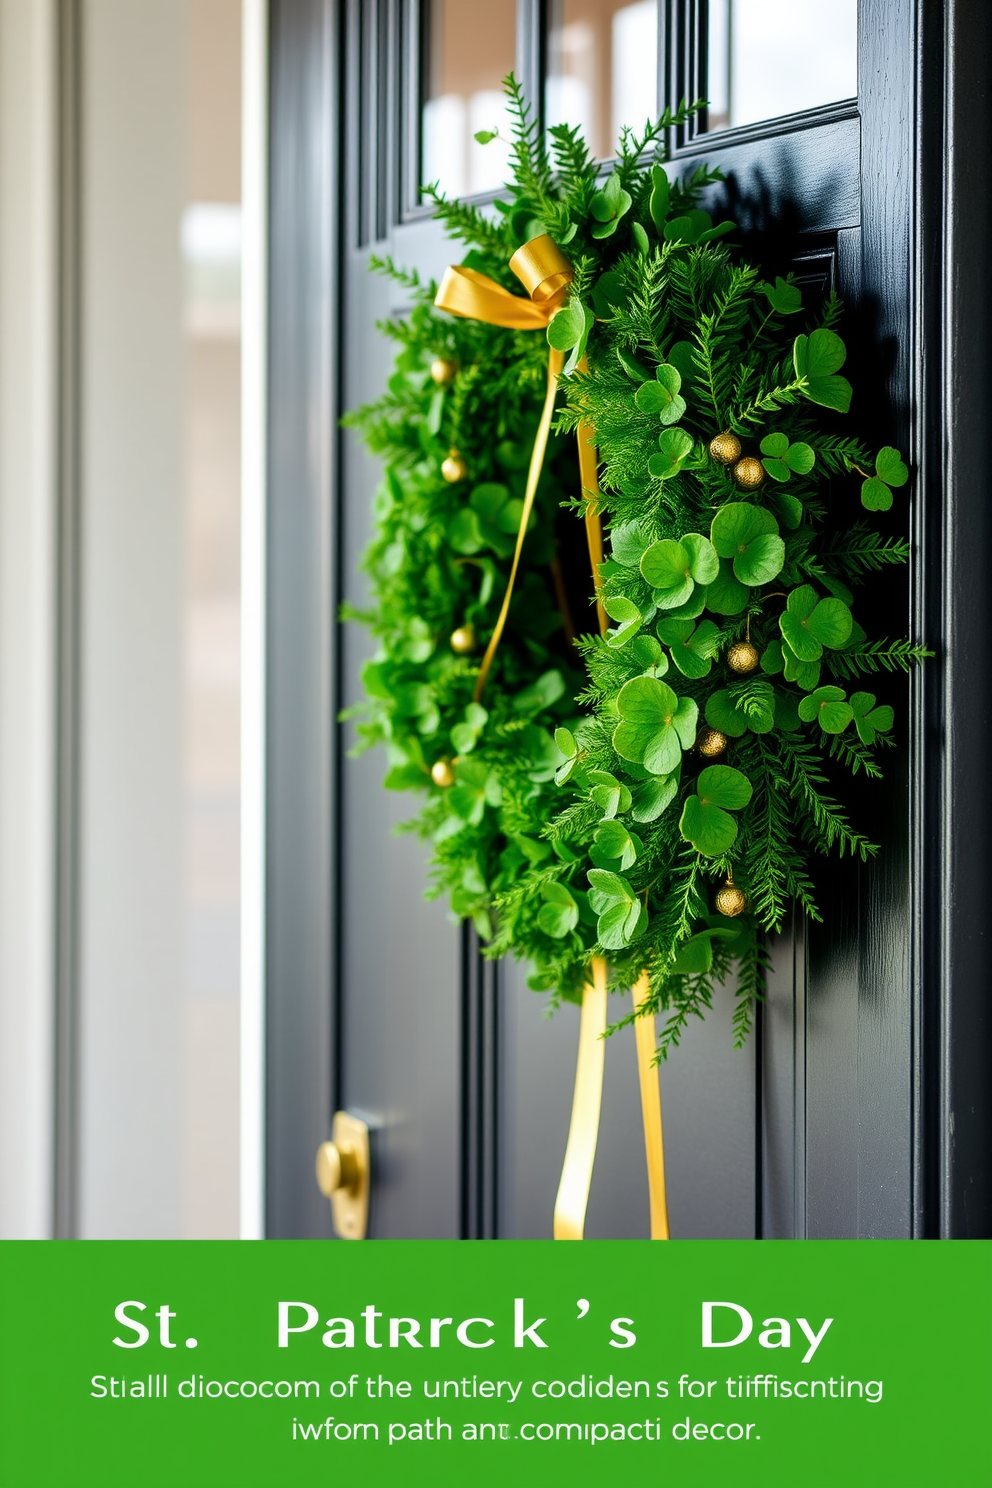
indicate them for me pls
(730, 900)
(749, 473)
(454, 468)
(443, 371)
(711, 742)
(462, 640)
(442, 774)
(725, 448)
(743, 657)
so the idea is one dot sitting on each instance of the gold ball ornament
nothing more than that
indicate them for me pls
(443, 371)
(442, 774)
(711, 742)
(454, 468)
(725, 448)
(730, 900)
(749, 473)
(462, 640)
(743, 657)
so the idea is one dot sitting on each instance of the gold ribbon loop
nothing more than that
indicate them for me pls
(544, 272)
(475, 296)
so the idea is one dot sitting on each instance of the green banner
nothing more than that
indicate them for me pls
(703, 1364)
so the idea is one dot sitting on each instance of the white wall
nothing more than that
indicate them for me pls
(132, 927)
(27, 613)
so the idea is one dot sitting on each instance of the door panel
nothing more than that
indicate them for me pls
(829, 1123)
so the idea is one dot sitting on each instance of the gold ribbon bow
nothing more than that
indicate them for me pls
(546, 274)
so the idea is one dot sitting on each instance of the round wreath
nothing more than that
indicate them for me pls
(655, 794)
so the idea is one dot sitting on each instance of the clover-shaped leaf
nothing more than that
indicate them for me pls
(876, 490)
(542, 692)
(568, 748)
(608, 205)
(817, 359)
(559, 914)
(662, 395)
(783, 459)
(783, 297)
(651, 797)
(673, 569)
(613, 843)
(692, 646)
(628, 541)
(622, 916)
(568, 330)
(646, 651)
(694, 956)
(809, 623)
(805, 674)
(734, 718)
(695, 227)
(612, 798)
(828, 706)
(869, 720)
(706, 821)
(464, 735)
(726, 595)
(657, 725)
(675, 447)
(658, 203)
(474, 789)
(628, 616)
(748, 535)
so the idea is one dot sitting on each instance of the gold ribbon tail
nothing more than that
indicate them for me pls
(583, 1129)
(556, 361)
(589, 478)
(654, 1142)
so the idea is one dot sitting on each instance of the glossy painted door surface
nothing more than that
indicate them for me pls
(829, 1123)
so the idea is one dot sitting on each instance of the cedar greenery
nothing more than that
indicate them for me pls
(582, 819)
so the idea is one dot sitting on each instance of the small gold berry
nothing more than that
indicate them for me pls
(442, 774)
(730, 900)
(749, 473)
(443, 371)
(725, 448)
(711, 742)
(743, 657)
(454, 468)
(462, 640)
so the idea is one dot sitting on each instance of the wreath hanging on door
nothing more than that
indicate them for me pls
(656, 793)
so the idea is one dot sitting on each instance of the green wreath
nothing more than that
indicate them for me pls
(656, 794)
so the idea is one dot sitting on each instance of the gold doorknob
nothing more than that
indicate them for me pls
(343, 1174)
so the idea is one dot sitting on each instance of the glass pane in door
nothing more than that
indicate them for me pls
(470, 47)
(766, 58)
(602, 67)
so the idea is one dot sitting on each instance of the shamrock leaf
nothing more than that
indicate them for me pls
(827, 705)
(726, 595)
(628, 541)
(869, 720)
(805, 674)
(782, 459)
(474, 789)
(809, 623)
(612, 842)
(649, 655)
(656, 725)
(817, 358)
(694, 957)
(622, 916)
(876, 492)
(547, 689)
(623, 610)
(651, 797)
(748, 535)
(658, 204)
(612, 798)
(608, 205)
(569, 750)
(559, 913)
(783, 297)
(692, 646)
(673, 569)
(734, 716)
(676, 447)
(706, 820)
(695, 227)
(465, 735)
(662, 395)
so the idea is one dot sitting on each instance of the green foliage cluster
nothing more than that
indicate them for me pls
(586, 822)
